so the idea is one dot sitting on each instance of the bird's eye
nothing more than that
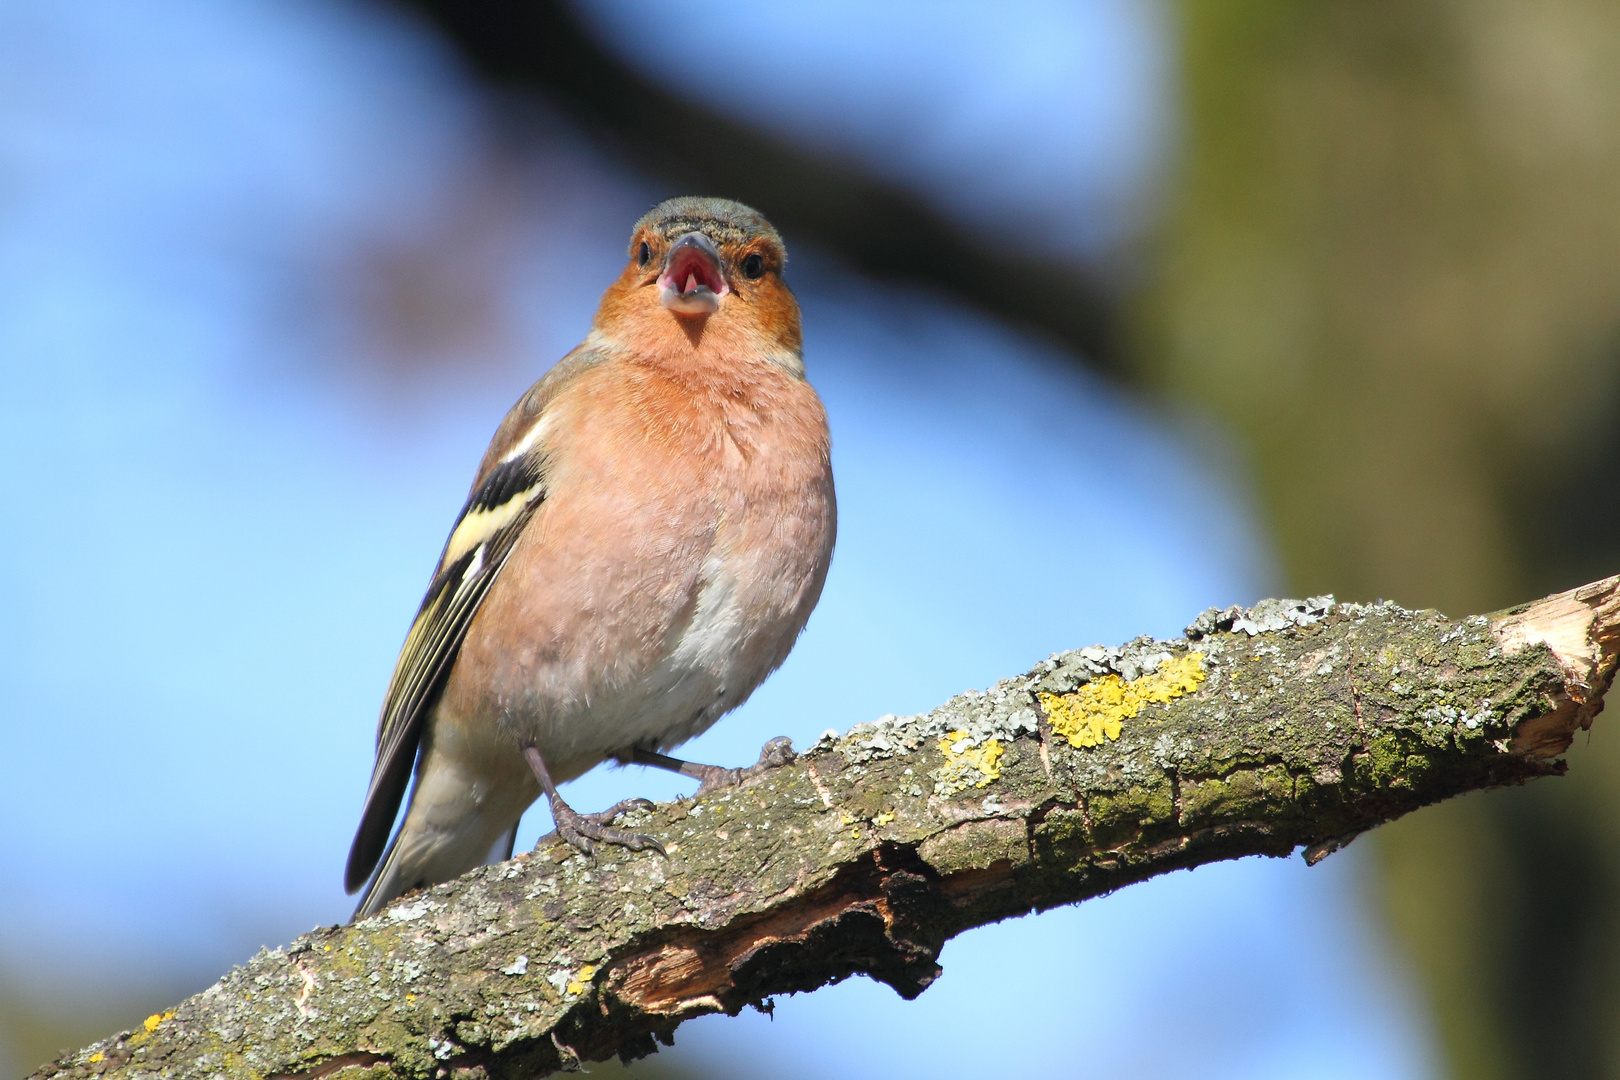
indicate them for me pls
(643, 254)
(753, 266)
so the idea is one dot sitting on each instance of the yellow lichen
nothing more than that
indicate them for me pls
(1097, 711)
(97, 1057)
(967, 765)
(883, 818)
(579, 982)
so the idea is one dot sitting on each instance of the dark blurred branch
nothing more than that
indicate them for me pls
(1286, 725)
(539, 45)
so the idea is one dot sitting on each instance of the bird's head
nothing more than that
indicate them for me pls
(704, 269)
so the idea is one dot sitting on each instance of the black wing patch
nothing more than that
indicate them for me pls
(479, 545)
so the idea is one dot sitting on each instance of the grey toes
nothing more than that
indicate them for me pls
(584, 831)
(775, 754)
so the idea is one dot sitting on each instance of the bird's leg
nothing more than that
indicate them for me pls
(580, 830)
(779, 751)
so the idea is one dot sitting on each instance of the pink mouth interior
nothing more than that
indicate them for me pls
(689, 268)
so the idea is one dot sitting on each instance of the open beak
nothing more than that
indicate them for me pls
(692, 283)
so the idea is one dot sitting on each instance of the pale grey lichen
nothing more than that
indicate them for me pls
(1004, 712)
(430, 987)
(1264, 617)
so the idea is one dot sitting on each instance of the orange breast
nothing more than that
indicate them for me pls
(674, 487)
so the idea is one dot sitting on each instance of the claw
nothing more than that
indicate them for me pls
(580, 830)
(623, 806)
(776, 753)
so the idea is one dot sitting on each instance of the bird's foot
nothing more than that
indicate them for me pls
(583, 831)
(580, 830)
(776, 753)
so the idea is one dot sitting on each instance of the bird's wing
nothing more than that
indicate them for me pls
(479, 545)
(509, 488)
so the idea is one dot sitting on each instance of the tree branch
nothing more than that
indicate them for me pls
(1291, 724)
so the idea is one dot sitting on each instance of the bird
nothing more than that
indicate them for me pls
(643, 543)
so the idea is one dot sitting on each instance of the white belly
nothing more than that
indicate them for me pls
(714, 664)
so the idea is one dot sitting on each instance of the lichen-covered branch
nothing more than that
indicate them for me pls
(1288, 725)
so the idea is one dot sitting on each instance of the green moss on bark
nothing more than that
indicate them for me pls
(1307, 724)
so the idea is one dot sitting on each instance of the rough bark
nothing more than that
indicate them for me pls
(1289, 725)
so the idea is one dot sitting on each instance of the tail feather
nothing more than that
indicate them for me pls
(447, 831)
(386, 885)
(502, 851)
(371, 840)
(395, 876)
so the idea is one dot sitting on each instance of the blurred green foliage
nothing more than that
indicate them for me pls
(1392, 268)
(40, 1018)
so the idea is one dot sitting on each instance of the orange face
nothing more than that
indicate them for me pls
(703, 275)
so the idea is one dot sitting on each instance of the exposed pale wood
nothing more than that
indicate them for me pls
(1582, 628)
(1288, 726)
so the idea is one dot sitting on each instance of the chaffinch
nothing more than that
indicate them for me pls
(643, 543)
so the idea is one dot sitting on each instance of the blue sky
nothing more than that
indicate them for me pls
(1043, 125)
(229, 472)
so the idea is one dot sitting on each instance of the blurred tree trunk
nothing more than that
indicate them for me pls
(1393, 268)
(540, 46)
